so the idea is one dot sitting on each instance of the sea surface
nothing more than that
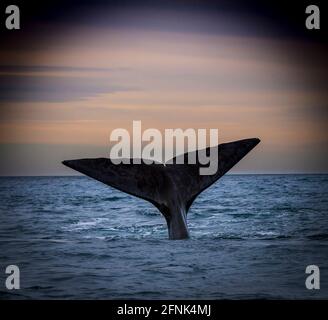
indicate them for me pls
(252, 236)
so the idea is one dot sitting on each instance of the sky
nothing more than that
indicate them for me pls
(70, 77)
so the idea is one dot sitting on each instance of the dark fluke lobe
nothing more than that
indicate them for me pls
(172, 188)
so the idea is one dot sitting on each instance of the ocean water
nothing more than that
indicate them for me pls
(252, 236)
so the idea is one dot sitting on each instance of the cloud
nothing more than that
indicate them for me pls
(47, 68)
(55, 83)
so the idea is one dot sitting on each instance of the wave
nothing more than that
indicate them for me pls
(319, 236)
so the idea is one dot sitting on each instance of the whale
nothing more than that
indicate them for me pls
(171, 187)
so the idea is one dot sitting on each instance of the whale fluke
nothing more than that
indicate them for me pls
(172, 187)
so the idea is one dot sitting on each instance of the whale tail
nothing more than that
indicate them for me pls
(173, 187)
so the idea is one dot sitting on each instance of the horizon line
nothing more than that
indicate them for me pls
(227, 174)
